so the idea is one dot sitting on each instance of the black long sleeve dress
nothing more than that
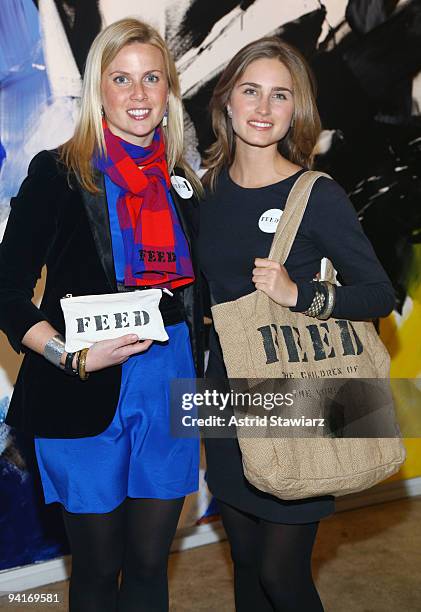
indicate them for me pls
(236, 225)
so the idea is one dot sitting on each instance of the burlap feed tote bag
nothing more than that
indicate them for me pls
(262, 340)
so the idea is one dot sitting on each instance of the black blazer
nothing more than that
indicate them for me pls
(67, 229)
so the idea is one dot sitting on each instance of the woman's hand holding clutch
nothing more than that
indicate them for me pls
(106, 353)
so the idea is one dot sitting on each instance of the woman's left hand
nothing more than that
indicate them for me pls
(272, 278)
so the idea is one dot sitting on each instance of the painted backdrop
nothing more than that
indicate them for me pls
(366, 55)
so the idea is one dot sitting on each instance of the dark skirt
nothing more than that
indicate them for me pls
(227, 483)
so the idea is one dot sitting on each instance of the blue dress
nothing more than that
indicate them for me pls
(136, 456)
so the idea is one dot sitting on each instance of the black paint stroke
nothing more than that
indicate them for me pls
(376, 154)
(389, 53)
(198, 21)
(365, 15)
(82, 22)
(304, 32)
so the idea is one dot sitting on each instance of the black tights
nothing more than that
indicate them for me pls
(272, 563)
(135, 538)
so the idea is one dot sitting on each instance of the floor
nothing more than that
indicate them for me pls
(365, 560)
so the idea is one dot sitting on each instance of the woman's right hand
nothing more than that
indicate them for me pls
(106, 353)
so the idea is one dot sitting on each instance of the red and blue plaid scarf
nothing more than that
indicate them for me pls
(155, 247)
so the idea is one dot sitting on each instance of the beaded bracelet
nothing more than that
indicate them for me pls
(330, 301)
(318, 302)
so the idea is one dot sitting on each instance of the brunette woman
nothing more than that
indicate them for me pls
(101, 424)
(266, 126)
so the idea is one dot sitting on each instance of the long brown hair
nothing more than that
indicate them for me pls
(298, 144)
(88, 135)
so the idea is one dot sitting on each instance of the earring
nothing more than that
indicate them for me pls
(229, 111)
(165, 119)
(102, 111)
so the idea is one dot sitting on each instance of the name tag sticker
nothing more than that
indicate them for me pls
(182, 186)
(268, 221)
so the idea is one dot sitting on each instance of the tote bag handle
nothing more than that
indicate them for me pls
(291, 219)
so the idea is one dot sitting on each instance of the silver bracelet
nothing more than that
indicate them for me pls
(317, 304)
(330, 301)
(54, 350)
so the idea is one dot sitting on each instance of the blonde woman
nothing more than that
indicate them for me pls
(101, 214)
(266, 126)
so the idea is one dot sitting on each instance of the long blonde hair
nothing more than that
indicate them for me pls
(88, 136)
(298, 144)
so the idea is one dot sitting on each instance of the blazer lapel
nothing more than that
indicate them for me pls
(181, 216)
(181, 206)
(97, 210)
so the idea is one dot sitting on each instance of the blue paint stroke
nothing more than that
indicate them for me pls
(29, 530)
(212, 510)
(4, 404)
(4, 429)
(24, 88)
(2, 155)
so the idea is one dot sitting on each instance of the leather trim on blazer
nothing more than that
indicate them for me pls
(97, 210)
